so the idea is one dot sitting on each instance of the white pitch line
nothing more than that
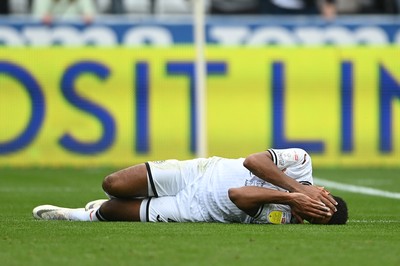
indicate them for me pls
(374, 221)
(356, 189)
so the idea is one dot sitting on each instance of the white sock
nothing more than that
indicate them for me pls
(82, 215)
(96, 216)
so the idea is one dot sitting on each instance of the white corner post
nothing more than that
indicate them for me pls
(200, 78)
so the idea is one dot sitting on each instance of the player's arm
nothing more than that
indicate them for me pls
(261, 164)
(250, 198)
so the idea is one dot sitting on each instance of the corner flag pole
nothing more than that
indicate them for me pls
(200, 78)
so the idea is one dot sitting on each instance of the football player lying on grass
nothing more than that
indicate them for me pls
(274, 186)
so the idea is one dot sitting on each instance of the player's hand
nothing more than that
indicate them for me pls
(320, 194)
(304, 206)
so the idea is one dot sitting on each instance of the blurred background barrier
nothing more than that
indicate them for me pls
(117, 106)
(220, 30)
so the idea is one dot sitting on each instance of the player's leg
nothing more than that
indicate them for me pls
(127, 183)
(120, 210)
(161, 209)
(110, 210)
(158, 178)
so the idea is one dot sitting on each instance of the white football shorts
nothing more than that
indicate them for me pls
(172, 185)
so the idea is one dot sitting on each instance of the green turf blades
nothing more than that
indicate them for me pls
(370, 238)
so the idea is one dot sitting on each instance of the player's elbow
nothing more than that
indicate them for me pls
(238, 197)
(250, 161)
(234, 194)
(241, 199)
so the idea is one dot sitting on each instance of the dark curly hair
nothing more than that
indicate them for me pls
(341, 215)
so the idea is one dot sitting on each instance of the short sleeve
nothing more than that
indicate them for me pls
(294, 162)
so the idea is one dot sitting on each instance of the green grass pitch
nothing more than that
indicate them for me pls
(372, 236)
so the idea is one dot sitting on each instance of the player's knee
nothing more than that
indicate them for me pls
(110, 184)
(127, 183)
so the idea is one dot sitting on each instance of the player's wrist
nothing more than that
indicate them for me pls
(290, 198)
(297, 188)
